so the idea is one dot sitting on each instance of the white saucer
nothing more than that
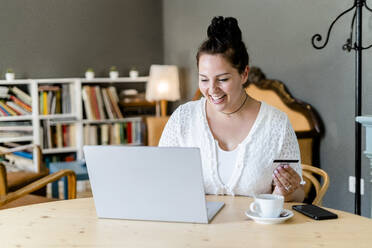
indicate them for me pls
(287, 214)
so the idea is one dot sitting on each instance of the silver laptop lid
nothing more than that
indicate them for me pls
(147, 183)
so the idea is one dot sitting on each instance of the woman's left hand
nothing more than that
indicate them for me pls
(286, 181)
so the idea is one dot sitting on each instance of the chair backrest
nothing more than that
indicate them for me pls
(304, 119)
(309, 174)
(155, 126)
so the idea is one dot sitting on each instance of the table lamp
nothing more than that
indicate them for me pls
(163, 86)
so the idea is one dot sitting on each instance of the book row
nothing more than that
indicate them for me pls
(9, 129)
(101, 103)
(16, 161)
(57, 135)
(55, 99)
(114, 134)
(14, 101)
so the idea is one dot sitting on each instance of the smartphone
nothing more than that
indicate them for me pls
(314, 212)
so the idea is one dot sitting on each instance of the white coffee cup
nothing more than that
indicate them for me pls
(267, 205)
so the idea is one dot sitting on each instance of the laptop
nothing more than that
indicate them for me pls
(149, 183)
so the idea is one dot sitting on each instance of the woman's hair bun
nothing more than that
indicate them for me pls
(225, 37)
(224, 30)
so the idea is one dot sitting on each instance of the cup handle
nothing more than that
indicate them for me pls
(255, 207)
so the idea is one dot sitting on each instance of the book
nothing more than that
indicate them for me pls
(65, 135)
(7, 109)
(86, 135)
(72, 135)
(134, 132)
(20, 163)
(58, 102)
(53, 105)
(13, 109)
(4, 91)
(15, 123)
(107, 104)
(24, 154)
(94, 104)
(117, 133)
(18, 108)
(48, 134)
(16, 128)
(99, 102)
(93, 135)
(114, 101)
(59, 137)
(22, 95)
(41, 103)
(129, 132)
(3, 112)
(105, 134)
(49, 102)
(87, 105)
(65, 99)
(45, 103)
(14, 144)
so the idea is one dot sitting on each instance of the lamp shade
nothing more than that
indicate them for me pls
(163, 83)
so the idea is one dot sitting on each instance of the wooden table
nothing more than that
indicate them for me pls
(73, 223)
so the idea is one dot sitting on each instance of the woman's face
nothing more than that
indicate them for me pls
(220, 83)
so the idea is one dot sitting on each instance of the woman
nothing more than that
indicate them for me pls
(238, 136)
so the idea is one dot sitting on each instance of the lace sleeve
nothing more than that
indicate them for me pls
(171, 133)
(290, 148)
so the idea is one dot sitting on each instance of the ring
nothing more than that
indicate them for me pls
(288, 188)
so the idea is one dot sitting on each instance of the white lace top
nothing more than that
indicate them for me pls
(271, 137)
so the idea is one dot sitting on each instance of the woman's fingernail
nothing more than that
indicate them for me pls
(276, 171)
(286, 166)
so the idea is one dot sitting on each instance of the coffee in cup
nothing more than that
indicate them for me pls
(267, 205)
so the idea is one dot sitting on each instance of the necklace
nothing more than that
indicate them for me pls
(246, 96)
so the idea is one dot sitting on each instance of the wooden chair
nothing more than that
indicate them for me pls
(308, 173)
(304, 119)
(15, 187)
(155, 126)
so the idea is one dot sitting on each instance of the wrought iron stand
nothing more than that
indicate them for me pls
(358, 47)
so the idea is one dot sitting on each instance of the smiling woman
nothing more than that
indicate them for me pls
(238, 137)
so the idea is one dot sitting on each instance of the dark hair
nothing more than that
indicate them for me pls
(225, 38)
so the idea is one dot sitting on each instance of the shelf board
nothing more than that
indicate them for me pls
(15, 82)
(72, 80)
(16, 118)
(59, 150)
(16, 139)
(56, 116)
(56, 80)
(129, 119)
(118, 80)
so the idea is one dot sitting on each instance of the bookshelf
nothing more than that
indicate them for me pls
(72, 117)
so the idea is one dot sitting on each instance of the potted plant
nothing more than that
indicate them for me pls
(89, 74)
(9, 75)
(114, 73)
(133, 73)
